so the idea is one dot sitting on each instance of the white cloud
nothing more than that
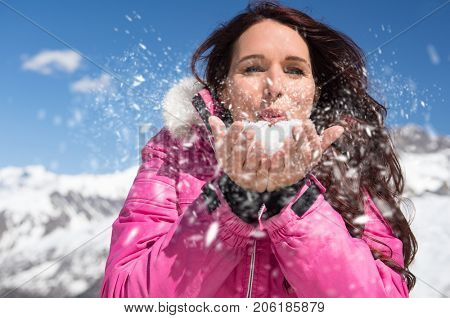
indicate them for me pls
(47, 62)
(91, 85)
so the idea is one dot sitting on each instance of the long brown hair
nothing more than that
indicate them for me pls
(364, 157)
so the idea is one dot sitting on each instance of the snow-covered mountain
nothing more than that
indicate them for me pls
(425, 160)
(55, 229)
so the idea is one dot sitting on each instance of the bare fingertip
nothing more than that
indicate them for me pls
(266, 162)
(339, 130)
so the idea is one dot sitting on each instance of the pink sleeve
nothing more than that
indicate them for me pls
(319, 257)
(155, 252)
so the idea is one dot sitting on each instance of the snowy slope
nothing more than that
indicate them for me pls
(46, 218)
(425, 160)
(55, 229)
(431, 226)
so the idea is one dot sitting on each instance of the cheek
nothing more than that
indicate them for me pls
(303, 97)
(245, 94)
(303, 94)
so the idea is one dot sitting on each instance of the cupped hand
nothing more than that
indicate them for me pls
(239, 155)
(301, 151)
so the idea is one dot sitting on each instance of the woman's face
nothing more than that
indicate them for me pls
(270, 76)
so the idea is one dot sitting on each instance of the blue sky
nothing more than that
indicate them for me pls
(50, 114)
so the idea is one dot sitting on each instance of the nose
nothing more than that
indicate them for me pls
(273, 87)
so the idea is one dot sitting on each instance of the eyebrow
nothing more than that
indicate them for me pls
(260, 56)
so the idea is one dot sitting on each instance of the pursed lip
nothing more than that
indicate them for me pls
(272, 115)
(273, 120)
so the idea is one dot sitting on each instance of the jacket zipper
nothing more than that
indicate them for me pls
(252, 262)
(252, 268)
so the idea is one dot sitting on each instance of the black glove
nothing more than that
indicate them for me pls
(276, 200)
(246, 203)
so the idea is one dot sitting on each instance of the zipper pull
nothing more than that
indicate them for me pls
(258, 232)
(260, 213)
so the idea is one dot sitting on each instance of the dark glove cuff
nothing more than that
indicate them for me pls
(244, 203)
(276, 200)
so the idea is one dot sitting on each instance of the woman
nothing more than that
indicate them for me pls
(211, 214)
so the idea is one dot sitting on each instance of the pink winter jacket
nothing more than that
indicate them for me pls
(171, 240)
